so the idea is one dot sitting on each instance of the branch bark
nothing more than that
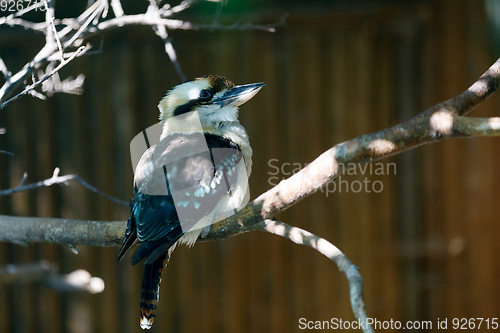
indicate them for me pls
(25, 230)
(303, 237)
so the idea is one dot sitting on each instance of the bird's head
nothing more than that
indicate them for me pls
(211, 102)
(215, 99)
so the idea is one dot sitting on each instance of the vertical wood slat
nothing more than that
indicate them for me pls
(123, 106)
(19, 163)
(6, 207)
(408, 187)
(454, 70)
(337, 106)
(387, 286)
(480, 169)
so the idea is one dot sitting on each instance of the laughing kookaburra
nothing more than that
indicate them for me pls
(193, 177)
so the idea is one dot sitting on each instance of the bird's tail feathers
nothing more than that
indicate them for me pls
(150, 290)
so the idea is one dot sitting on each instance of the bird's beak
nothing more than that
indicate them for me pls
(238, 95)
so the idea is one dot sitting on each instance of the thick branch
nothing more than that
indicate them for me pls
(25, 230)
(444, 120)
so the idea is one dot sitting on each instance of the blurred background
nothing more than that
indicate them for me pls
(426, 245)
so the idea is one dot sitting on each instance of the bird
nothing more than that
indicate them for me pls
(195, 175)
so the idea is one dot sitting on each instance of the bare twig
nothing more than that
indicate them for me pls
(167, 11)
(102, 4)
(4, 70)
(161, 31)
(38, 95)
(116, 5)
(47, 76)
(47, 274)
(56, 179)
(51, 34)
(303, 237)
(172, 24)
(96, 191)
(37, 27)
(23, 179)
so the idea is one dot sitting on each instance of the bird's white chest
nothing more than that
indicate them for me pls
(227, 206)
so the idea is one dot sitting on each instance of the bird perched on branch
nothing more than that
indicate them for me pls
(195, 175)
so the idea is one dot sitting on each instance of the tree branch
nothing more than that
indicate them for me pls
(47, 274)
(51, 33)
(442, 121)
(25, 230)
(56, 179)
(161, 31)
(303, 237)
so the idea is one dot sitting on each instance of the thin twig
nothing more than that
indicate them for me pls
(141, 19)
(49, 17)
(116, 5)
(99, 9)
(23, 179)
(37, 27)
(20, 13)
(47, 76)
(167, 11)
(56, 179)
(95, 190)
(161, 31)
(4, 70)
(36, 94)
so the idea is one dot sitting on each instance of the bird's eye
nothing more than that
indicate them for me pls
(205, 94)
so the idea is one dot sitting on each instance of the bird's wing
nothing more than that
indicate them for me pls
(177, 182)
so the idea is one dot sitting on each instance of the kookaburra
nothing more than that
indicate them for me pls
(191, 178)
